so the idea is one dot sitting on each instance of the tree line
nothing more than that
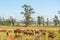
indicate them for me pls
(28, 20)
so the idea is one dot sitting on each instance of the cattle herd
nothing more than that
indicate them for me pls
(35, 34)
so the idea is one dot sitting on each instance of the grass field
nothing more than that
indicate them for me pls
(41, 36)
(43, 27)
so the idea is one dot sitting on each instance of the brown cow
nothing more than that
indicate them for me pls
(18, 35)
(43, 32)
(37, 37)
(11, 37)
(3, 30)
(51, 36)
(58, 31)
(18, 31)
(29, 32)
(36, 31)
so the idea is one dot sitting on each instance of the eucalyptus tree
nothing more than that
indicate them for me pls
(47, 21)
(0, 21)
(43, 21)
(8, 22)
(59, 14)
(56, 20)
(39, 21)
(12, 20)
(27, 14)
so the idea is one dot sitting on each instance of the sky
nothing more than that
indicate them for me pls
(45, 8)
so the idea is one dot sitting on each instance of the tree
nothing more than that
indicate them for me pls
(1, 21)
(27, 14)
(58, 12)
(59, 20)
(12, 20)
(47, 21)
(43, 22)
(56, 20)
(39, 20)
(8, 22)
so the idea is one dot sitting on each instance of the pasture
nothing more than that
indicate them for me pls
(29, 33)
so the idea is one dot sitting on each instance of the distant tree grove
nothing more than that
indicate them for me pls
(28, 20)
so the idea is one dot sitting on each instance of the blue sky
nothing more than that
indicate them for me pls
(45, 8)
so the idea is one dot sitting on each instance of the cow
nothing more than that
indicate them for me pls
(30, 32)
(58, 31)
(3, 30)
(36, 31)
(18, 35)
(18, 31)
(11, 37)
(43, 31)
(37, 37)
(51, 36)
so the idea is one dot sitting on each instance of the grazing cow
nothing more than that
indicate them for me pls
(11, 37)
(59, 31)
(18, 35)
(18, 31)
(7, 33)
(15, 31)
(51, 35)
(29, 32)
(37, 37)
(36, 31)
(3, 30)
(43, 32)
